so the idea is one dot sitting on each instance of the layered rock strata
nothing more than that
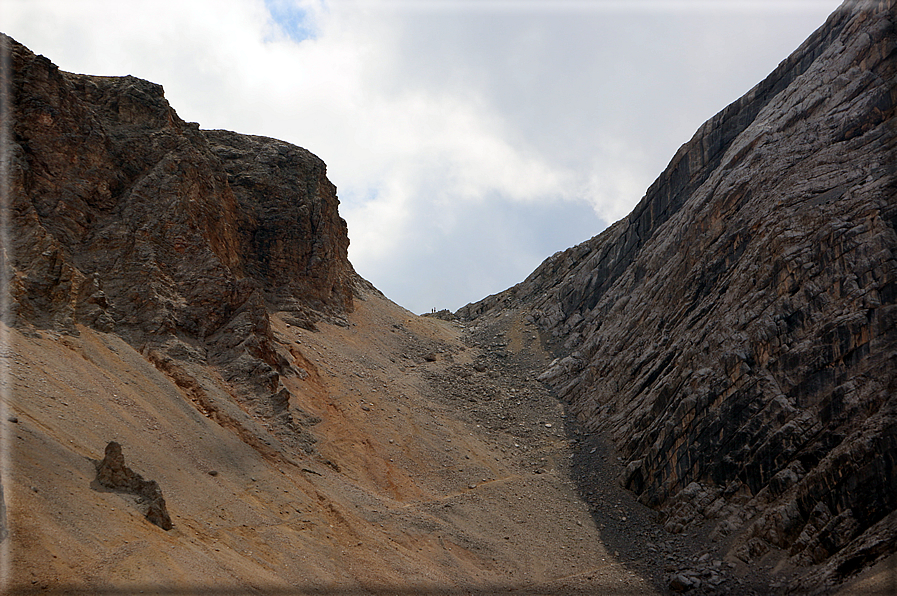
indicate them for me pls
(735, 334)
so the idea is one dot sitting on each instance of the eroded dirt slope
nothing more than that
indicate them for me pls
(439, 466)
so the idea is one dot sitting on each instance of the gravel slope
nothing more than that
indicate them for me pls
(439, 466)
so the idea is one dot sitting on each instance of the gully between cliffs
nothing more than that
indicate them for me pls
(726, 357)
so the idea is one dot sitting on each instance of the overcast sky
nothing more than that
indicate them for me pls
(468, 140)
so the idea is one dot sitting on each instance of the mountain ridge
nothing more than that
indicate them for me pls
(736, 350)
(726, 354)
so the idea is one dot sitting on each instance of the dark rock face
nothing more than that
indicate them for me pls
(125, 218)
(114, 474)
(288, 223)
(735, 334)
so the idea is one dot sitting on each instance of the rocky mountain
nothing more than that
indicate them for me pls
(199, 395)
(736, 334)
(180, 299)
(129, 220)
(210, 221)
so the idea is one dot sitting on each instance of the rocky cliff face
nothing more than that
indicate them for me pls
(129, 219)
(106, 179)
(735, 334)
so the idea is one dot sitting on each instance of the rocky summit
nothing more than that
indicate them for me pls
(699, 399)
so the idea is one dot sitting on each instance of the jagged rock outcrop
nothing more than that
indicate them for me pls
(129, 218)
(113, 474)
(125, 218)
(735, 334)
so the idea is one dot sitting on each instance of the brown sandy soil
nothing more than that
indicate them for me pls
(441, 466)
(880, 578)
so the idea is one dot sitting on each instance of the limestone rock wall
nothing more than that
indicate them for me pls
(735, 334)
(288, 223)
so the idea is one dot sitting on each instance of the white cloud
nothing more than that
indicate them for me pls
(468, 140)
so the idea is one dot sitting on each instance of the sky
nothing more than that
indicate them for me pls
(468, 140)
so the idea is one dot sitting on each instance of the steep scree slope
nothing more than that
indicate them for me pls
(735, 334)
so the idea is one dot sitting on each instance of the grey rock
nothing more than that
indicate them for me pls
(736, 334)
(680, 583)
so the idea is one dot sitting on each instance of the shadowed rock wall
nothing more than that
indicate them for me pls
(735, 334)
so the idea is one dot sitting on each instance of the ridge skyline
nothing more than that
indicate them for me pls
(514, 144)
